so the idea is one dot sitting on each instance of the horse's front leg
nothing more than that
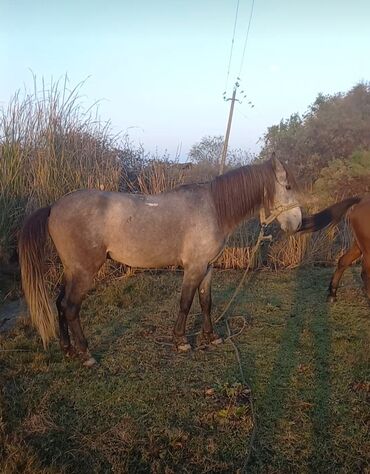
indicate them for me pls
(192, 278)
(205, 300)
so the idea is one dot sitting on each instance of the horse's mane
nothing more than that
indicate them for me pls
(241, 192)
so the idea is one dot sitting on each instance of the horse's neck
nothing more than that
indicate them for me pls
(234, 203)
(248, 214)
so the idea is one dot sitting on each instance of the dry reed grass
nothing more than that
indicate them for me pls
(321, 248)
(51, 145)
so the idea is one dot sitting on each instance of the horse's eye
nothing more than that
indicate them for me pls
(288, 187)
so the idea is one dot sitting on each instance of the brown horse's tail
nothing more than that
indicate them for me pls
(31, 251)
(331, 215)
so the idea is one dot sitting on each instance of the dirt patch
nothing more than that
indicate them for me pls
(9, 313)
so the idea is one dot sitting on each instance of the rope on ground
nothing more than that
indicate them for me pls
(16, 350)
(261, 237)
(230, 336)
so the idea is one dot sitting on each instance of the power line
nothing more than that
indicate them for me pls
(232, 43)
(233, 99)
(241, 113)
(246, 38)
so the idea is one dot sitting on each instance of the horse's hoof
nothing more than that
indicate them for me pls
(217, 341)
(181, 343)
(69, 352)
(87, 359)
(90, 362)
(184, 347)
(331, 299)
(211, 338)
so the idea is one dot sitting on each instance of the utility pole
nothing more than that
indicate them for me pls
(233, 99)
(227, 135)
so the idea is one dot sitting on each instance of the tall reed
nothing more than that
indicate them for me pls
(50, 145)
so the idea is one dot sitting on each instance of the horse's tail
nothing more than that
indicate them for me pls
(331, 215)
(32, 241)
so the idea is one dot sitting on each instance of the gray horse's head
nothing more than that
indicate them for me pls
(286, 206)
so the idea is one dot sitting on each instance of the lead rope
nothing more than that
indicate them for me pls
(261, 237)
(230, 336)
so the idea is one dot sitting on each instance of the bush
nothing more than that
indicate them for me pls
(344, 177)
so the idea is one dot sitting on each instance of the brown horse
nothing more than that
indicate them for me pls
(359, 219)
(188, 226)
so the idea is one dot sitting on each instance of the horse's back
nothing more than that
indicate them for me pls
(138, 230)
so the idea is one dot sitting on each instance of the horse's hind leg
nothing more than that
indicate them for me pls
(344, 262)
(365, 274)
(77, 285)
(205, 300)
(64, 340)
(192, 279)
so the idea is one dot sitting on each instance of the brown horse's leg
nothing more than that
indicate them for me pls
(64, 340)
(76, 288)
(205, 300)
(344, 262)
(365, 274)
(191, 281)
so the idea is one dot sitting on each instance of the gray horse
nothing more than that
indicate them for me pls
(188, 226)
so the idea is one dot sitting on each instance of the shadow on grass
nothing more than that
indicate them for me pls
(307, 315)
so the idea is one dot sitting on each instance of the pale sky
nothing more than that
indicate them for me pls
(160, 66)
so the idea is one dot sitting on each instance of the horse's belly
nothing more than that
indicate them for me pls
(146, 251)
(143, 259)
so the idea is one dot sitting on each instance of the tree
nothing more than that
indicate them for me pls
(344, 177)
(207, 153)
(334, 127)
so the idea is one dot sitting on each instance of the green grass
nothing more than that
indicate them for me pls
(146, 408)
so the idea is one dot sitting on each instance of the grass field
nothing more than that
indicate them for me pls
(146, 408)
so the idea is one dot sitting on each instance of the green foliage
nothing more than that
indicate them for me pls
(344, 177)
(206, 154)
(335, 126)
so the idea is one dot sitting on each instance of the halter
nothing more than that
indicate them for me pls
(265, 221)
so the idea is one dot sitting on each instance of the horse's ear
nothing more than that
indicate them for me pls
(278, 168)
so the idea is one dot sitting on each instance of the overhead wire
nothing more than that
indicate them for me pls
(232, 43)
(246, 38)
